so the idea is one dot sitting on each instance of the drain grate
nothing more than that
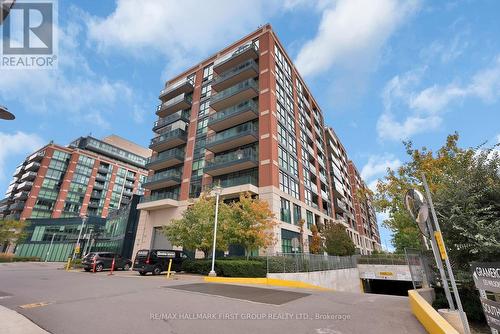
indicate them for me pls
(260, 295)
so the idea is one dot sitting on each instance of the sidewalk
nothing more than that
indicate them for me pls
(12, 322)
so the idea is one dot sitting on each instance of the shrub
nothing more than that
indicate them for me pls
(227, 268)
(8, 257)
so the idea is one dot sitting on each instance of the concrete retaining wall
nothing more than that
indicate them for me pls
(338, 280)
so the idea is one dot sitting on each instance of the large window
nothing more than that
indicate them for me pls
(297, 214)
(309, 219)
(285, 211)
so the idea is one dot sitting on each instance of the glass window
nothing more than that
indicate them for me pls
(285, 211)
(309, 219)
(297, 214)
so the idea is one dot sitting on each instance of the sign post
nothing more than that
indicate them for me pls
(487, 278)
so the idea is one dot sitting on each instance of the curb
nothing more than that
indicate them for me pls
(264, 281)
(432, 321)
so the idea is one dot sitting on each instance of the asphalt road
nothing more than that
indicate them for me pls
(80, 302)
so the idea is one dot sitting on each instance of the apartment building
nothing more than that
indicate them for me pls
(366, 220)
(346, 202)
(243, 119)
(87, 177)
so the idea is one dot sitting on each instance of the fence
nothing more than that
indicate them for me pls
(302, 262)
(389, 259)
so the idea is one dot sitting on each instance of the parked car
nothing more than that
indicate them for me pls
(104, 260)
(156, 261)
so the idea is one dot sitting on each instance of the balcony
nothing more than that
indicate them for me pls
(245, 52)
(179, 102)
(100, 178)
(166, 159)
(164, 179)
(129, 185)
(232, 162)
(13, 216)
(26, 185)
(168, 140)
(22, 195)
(19, 170)
(98, 186)
(17, 206)
(325, 195)
(246, 70)
(232, 116)
(127, 193)
(32, 166)
(38, 156)
(179, 87)
(240, 135)
(130, 177)
(103, 170)
(93, 205)
(29, 176)
(95, 194)
(178, 116)
(244, 90)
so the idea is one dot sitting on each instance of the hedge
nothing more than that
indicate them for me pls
(226, 268)
(13, 258)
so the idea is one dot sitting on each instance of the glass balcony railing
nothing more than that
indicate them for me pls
(222, 63)
(157, 197)
(233, 90)
(184, 84)
(180, 115)
(240, 130)
(237, 181)
(239, 109)
(244, 154)
(248, 67)
(177, 133)
(179, 102)
(168, 174)
(166, 155)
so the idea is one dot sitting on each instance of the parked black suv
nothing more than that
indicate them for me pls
(104, 261)
(156, 260)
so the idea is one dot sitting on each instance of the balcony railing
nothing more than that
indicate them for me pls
(182, 101)
(181, 86)
(240, 113)
(157, 197)
(180, 115)
(168, 140)
(244, 90)
(245, 70)
(243, 53)
(232, 162)
(237, 181)
(234, 137)
(166, 158)
(17, 206)
(164, 179)
(32, 166)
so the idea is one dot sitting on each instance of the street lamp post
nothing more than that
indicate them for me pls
(84, 220)
(217, 190)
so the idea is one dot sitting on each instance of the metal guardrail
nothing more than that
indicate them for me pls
(395, 259)
(304, 262)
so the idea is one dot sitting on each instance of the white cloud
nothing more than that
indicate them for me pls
(176, 28)
(425, 107)
(377, 165)
(72, 91)
(16, 144)
(352, 32)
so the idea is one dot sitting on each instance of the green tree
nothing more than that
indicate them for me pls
(465, 185)
(337, 241)
(11, 231)
(250, 223)
(194, 230)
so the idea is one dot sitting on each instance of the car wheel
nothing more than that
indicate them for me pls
(142, 273)
(157, 271)
(87, 269)
(126, 266)
(99, 267)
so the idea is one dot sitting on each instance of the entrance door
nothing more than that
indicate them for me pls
(159, 240)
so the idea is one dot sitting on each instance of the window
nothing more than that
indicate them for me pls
(202, 126)
(204, 108)
(297, 214)
(285, 211)
(286, 245)
(208, 72)
(59, 155)
(294, 188)
(206, 91)
(282, 158)
(309, 219)
(294, 167)
(198, 167)
(284, 182)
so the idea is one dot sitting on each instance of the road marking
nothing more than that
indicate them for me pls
(33, 305)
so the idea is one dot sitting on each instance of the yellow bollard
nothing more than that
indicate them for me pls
(68, 264)
(169, 267)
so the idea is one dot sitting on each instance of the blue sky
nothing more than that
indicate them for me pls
(382, 71)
